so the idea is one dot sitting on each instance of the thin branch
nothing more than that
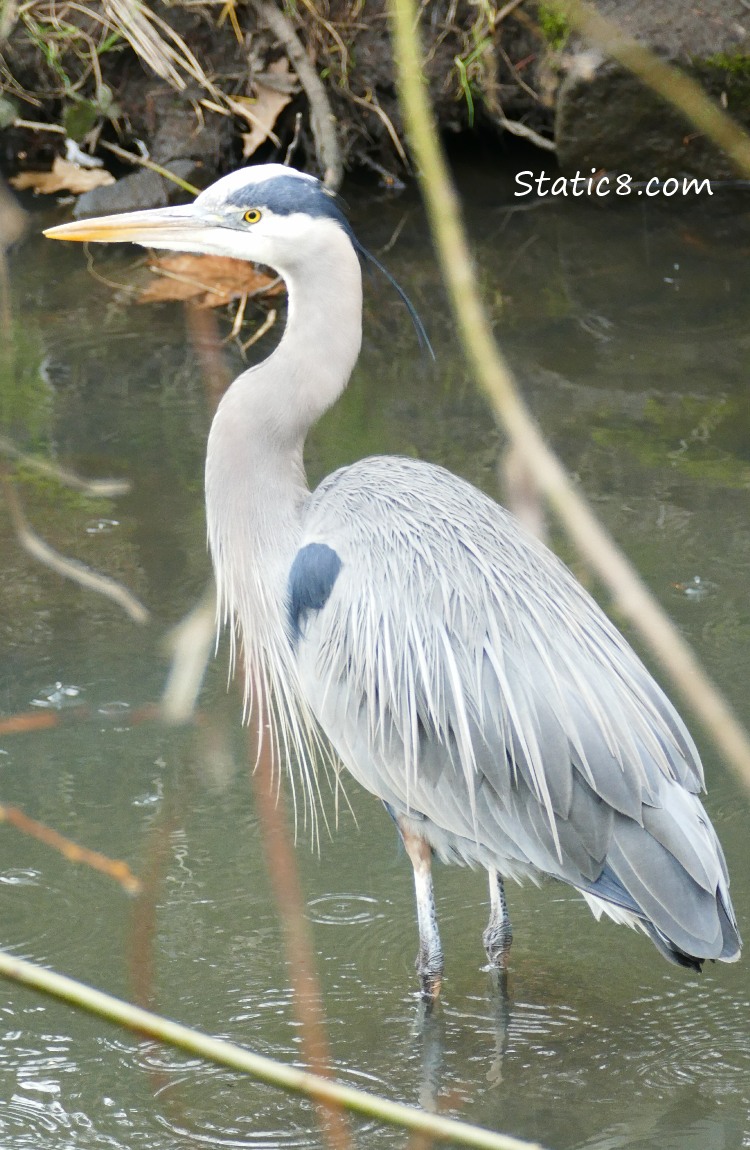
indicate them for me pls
(98, 488)
(322, 119)
(72, 851)
(372, 105)
(300, 956)
(71, 569)
(145, 162)
(493, 375)
(294, 143)
(505, 11)
(259, 332)
(516, 128)
(190, 644)
(234, 1057)
(37, 126)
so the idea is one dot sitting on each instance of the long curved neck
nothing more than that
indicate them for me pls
(255, 480)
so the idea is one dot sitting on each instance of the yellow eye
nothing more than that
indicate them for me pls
(251, 216)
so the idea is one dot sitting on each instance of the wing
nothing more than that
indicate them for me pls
(468, 680)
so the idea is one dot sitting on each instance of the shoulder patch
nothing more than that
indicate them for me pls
(311, 579)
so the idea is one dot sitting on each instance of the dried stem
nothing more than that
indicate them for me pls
(98, 488)
(72, 851)
(322, 119)
(145, 162)
(227, 1054)
(284, 876)
(71, 569)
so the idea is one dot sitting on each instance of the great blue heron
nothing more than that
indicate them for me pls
(460, 672)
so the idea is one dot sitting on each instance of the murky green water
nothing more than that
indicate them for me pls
(627, 326)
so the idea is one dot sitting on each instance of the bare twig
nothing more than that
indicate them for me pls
(494, 377)
(322, 120)
(71, 569)
(97, 488)
(190, 644)
(332, 32)
(145, 162)
(370, 102)
(517, 75)
(294, 142)
(516, 128)
(37, 126)
(258, 334)
(72, 851)
(284, 877)
(224, 1053)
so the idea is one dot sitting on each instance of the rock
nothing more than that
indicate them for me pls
(191, 152)
(607, 119)
(141, 189)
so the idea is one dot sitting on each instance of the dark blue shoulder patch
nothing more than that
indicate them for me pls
(311, 579)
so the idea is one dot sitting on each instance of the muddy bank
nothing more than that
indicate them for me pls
(196, 93)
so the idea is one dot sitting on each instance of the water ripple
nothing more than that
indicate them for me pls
(240, 1137)
(35, 1068)
(20, 876)
(680, 1045)
(344, 909)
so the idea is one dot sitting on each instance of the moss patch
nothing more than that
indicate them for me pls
(554, 26)
(700, 438)
(727, 77)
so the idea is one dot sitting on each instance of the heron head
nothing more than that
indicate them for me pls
(269, 214)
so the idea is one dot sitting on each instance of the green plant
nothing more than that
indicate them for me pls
(554, 25)
(468, 71)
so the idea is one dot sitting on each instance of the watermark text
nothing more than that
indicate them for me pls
(600, 184)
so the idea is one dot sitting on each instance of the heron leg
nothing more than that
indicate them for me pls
(430, 957)
(499, 933)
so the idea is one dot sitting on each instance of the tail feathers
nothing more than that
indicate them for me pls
(610, 896)
(732, 948)
(731, 941)
(671, 952)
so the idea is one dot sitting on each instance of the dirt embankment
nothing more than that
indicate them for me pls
(198, 89)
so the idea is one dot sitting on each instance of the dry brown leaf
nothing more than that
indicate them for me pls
(209, 281)
(64, 177)
(265, 109)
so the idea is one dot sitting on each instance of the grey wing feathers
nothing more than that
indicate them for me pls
(466, 678)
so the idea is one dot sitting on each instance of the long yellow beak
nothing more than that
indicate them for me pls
(154, 227)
